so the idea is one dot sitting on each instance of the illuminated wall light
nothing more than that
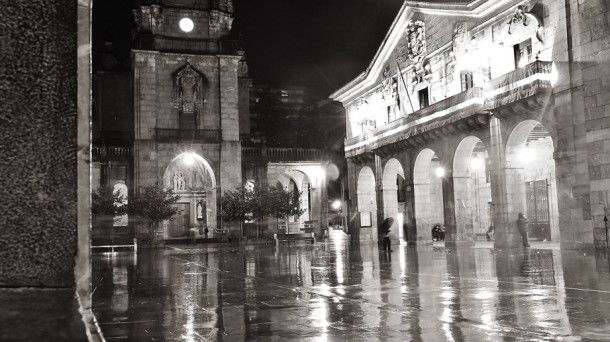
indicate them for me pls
(188, 159)
(336, 204)
(439, 172)
(476, 163)
(186, 24)
(527, 154)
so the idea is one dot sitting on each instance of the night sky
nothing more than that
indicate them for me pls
(320, 44)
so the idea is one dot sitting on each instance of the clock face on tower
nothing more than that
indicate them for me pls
(186, 25)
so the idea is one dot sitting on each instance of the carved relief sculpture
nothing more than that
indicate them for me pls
(459, 43)
(416, 41)
(385, 83)
(518, 17)
(188, 84)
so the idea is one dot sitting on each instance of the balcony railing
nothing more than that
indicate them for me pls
(282, 154)
(193, 135)
(111, 151)
(440, 113)
(529, 85)
(523, 83)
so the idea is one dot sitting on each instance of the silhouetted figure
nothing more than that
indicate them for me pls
(385, 232)
(438, 233)
(489, 233)
(522, 226)
(205, 232)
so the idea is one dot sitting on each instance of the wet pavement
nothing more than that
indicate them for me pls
(337, 291)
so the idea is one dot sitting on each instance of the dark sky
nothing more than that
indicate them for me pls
(321, 44)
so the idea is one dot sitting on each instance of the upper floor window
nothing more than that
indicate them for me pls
(523, 53)
(423, 98)
(467, 80)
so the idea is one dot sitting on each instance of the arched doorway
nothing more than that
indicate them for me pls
(394, 196)
(296, 180)
(367, 204)
(428, 192)
(190, 176)
(472, 189)
(530, 179)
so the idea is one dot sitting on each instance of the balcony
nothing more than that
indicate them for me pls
(169, 135)
(518, 93)
(282, 154)
(463, 111)
(521, 91)
(102, 153)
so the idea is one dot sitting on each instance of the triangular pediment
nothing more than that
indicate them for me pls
(407, 26)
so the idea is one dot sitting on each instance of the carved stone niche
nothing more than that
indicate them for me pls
(190, 89)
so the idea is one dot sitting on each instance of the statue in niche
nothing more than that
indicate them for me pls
(181, 183)
(188, 85)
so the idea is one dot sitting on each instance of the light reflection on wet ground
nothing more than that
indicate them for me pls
(336, 291)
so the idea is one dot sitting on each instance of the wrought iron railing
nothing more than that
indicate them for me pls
(111, 151)
(284, 154)
(194, 135)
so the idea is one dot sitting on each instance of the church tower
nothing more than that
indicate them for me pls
(188, 77)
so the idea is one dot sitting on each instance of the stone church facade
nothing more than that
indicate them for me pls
(189, 113)
(474, 112)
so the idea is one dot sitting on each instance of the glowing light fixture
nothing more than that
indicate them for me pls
(186, 24)
(336, 204)
(476, 163)
(439, 172)
(188, 159)
(527, 154)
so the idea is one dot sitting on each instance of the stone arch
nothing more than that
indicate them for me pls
(367, 203)
(393, 174)
(531, 179)
(191, 176)
(427, 188)
(471, 188)
(299, 179)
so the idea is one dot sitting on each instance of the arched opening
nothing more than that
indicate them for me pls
(472, 189)
(394, 196)
(191, 176)
(296, 180)
(367, 204)
(121, 188)
(428, 192)
(530, 179)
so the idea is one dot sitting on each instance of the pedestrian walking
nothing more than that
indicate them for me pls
(205, 232)
(385, 232)
(522, 226)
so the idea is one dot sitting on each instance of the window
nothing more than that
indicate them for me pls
(467, 81)
(523, 53)
(423, 98)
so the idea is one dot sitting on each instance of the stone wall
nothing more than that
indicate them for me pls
(39, 187)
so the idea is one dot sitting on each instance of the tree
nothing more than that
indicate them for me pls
(260, 202)
(154, 205)
(104, 201)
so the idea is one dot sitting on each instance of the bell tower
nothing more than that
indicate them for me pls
(188, 78)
